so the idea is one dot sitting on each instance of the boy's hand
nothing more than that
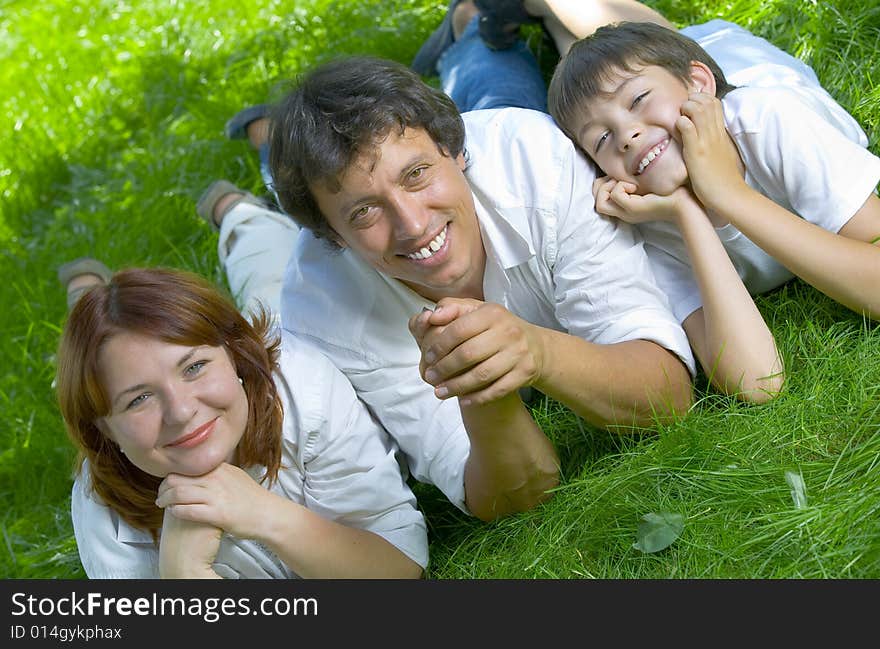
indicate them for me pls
(713, 163)
(618, 199)
(477, 351)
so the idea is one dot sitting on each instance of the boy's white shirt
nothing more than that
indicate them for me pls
(802, 151)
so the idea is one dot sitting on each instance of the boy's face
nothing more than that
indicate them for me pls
(408, 211)
(631, 132)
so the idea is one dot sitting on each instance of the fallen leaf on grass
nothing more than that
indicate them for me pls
(798, 489)
(658, 531)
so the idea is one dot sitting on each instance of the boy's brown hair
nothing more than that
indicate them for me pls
(625, 46)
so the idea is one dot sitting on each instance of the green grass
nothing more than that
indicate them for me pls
(113, 116)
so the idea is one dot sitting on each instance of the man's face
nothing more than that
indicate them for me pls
(630, 132)
(408, 211)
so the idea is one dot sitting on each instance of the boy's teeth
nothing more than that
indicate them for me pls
(653, 153)
(431, 248)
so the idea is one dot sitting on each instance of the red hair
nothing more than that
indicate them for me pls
(176, 307)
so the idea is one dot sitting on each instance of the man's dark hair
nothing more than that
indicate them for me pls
(340, 111)
(595, 60)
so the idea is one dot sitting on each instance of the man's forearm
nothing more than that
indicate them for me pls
(512, 464)
(631, 384)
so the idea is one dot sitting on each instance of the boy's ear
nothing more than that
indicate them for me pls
(701, 78)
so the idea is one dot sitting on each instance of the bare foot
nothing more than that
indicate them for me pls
(86, 280)
(223, 206)
(80, 284)
(461, 16)
(258, 132)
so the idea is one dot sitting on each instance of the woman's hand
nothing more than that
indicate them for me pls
(187, 549)
(227, 498)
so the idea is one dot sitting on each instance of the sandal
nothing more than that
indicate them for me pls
(425, 61)
(499, 22)
(236, 128)
(217, 190)
(82, 266)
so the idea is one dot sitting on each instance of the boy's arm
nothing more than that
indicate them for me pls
(843, 265)
(728, 333)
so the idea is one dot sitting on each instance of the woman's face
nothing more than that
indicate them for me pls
(174, 408)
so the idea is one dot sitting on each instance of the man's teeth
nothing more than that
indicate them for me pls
(431, 248)
(653, 153)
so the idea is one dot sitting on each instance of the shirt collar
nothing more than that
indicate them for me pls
(126, 533)
(505, 228)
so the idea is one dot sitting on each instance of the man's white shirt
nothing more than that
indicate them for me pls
(551, 260)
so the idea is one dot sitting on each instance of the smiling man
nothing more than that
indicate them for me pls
(451, 253)
(405, 207)
(487, 221)
(451, 256)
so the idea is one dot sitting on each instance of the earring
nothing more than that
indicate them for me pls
(240, 380)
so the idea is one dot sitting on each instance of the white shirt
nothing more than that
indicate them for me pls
(335, 460)
(551, 260)
(796, 152)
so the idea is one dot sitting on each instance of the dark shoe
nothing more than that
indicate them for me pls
(77, 267)
(236, 128)
(217, 190)
(500, 20)
(425, 61)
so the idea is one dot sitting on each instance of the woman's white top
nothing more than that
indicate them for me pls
(336, 461)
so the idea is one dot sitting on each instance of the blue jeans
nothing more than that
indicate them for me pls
(476, 77)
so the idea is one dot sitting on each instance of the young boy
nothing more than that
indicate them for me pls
(778, 177)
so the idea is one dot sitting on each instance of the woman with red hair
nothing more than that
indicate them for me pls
(211, 446)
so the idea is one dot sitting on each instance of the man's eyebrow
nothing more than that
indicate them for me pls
(415, 159)
(346, 208)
